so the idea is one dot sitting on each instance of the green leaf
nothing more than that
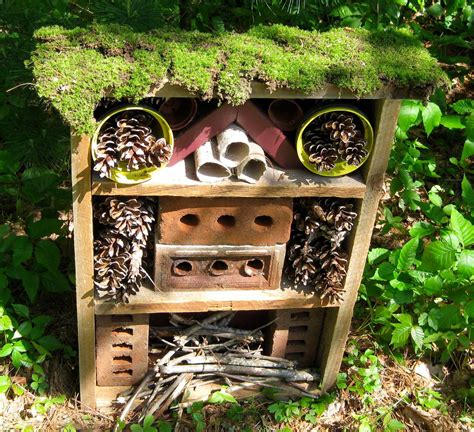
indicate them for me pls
(408, 114)
(462, 228)
(417, 336)
(54, 281)
(452, 122)
(377, 254)
(50, 343)
(433, 285)
(6, 350)
(463, 106)
(22, 310)
(44, 227)
(422, 229)
(466, 263)
(431, 115)
(47, 254)
(407, 256)
(5, 383)
(467, 153)
(385, 271)
(467, 192)
(22, 250)
(30, 282)
(400, 335)
(404, 319)
(438, 255)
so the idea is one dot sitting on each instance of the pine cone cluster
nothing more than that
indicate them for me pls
(315, 254)
(127, 139)
(121, 238)
(332, 137)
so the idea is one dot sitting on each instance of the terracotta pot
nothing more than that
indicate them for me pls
(286, 114)
(179, 112)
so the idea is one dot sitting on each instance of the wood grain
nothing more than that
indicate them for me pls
(84, 260)
(180, 180)
(338, 320)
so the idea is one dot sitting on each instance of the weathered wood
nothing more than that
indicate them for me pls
(149, 301)
(337, 321)
(180, 180)
(84, 260)
(260, 90)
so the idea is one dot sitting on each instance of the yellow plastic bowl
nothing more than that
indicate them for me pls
(342, 167)
(120, 174)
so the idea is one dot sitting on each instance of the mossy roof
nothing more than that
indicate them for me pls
(75, 68)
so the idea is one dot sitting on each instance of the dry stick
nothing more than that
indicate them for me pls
(258, 356)
(225, 360)
(289, 375)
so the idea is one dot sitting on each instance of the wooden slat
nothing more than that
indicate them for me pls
(259, 90)
(106, 394)
(84, 259)
(338, 320)
(180, 180)
(149, 301)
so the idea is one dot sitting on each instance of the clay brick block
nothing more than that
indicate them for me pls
(295, 335)
(230, 221)
(218, 267)
(121, 349)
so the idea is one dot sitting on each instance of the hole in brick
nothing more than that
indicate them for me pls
(226, 221)
(254, 267)
(182, 268)
(296, 343)
(123, 331)
(298, 329)
(121, 318)
(264, 221)
(123, 372)
(124, 346)
(218, 267)
(300, 315)
(190, 219)
(122, 359)
(294, 356)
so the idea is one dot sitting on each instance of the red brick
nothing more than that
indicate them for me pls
(218, 267)
(121, 349)
(295, 335)
(230, 221)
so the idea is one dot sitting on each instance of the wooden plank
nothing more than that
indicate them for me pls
(260, 90)
(149, 301)
(106, 394)
(84, 260)
(180, 180)
(338, 320)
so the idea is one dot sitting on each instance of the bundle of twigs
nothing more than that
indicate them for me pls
(204, 352)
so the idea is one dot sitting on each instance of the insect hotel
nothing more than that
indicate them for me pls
(225, 189)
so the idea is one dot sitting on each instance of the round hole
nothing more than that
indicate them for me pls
(190, 220)
(226, 221)
(218, 267)
(255, 264)
(264, 221)
(182, 268)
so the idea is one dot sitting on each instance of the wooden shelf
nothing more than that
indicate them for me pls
(180, 180)
(150, 301)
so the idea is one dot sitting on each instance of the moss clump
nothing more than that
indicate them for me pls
(75, 68)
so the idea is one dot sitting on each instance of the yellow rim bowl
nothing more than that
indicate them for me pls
(342, 167)
(120, 174)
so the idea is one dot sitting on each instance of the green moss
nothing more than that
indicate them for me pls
(75, 68)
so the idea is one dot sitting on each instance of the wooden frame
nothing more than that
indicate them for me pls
(366, 185)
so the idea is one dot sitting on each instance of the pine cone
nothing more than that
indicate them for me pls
(128, 138)
(332, 137)
(120, 245)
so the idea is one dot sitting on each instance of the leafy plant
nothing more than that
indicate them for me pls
(306, 408)
(197, 416)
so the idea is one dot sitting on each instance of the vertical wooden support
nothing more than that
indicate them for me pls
(338, 320)
(84, 259)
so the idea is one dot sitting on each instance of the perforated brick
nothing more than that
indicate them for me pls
(121, 349)
(229, 221)
(218, 267)
(295, 335)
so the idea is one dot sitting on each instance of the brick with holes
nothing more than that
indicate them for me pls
(121, 349)
(294, 335)
(230, 221)
(198, 267)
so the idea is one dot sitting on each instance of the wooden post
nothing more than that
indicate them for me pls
(84, 259)
(338, 320)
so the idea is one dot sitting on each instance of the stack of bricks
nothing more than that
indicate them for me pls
(221, 243)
